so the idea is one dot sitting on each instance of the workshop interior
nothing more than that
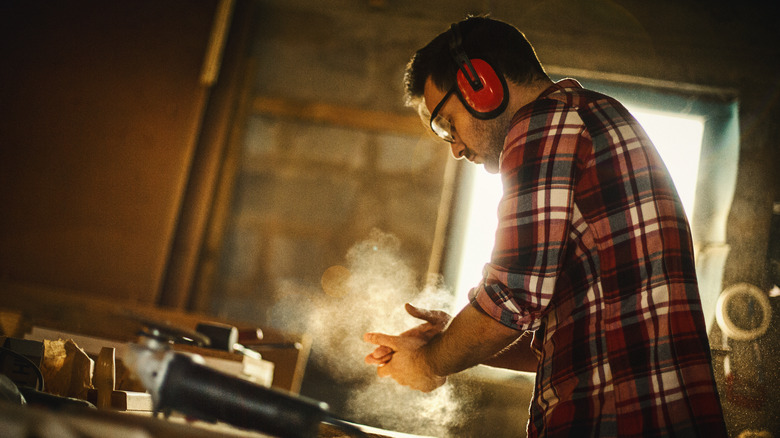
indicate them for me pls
(204, 204)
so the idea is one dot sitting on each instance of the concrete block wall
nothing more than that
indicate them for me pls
(305, 193)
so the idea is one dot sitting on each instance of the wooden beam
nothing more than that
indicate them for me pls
(339, 115)
(208, 264)
(203, 183)
(219, 31)
(449, 184)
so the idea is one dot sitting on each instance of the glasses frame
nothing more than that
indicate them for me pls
(444, 135)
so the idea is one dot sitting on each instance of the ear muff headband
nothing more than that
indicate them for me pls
(481, 89)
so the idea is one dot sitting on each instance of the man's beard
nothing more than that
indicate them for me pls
(494, 132)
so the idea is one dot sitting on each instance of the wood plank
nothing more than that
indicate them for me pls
(119, 321)
(101, 317)
(339, 115)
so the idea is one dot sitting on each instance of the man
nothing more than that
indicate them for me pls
(593, 253)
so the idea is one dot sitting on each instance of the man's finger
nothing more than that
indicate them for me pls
(371, 360)
(435, 317)
(383, 371)
(381, 351)
(380, 356)
(381, 339)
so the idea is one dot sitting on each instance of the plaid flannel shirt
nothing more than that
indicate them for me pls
(593, 252)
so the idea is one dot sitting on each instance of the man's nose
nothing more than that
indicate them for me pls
(458, 150)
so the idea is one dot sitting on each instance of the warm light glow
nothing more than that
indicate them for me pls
(481, 223)
(678, 140)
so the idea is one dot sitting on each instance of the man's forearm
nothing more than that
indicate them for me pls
(471, 338)
(518, 356)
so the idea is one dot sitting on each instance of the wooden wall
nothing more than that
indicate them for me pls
(102, 106)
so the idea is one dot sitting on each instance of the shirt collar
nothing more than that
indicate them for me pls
(560, 85)
(563, 84)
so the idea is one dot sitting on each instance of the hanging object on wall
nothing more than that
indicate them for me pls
(743, 312)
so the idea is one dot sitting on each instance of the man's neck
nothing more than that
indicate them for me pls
(521, 95)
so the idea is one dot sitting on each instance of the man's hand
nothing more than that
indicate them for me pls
(422, 356)
(435, 322)
(406, 364)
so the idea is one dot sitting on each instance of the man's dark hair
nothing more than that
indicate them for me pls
(502, 45)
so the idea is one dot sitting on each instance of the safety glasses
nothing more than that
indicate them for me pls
(439, 124)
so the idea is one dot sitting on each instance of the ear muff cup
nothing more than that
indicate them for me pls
(488, 101)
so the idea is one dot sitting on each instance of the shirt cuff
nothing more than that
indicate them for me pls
(519, 320)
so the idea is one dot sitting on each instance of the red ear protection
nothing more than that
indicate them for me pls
(482, 90)
(490, 96)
